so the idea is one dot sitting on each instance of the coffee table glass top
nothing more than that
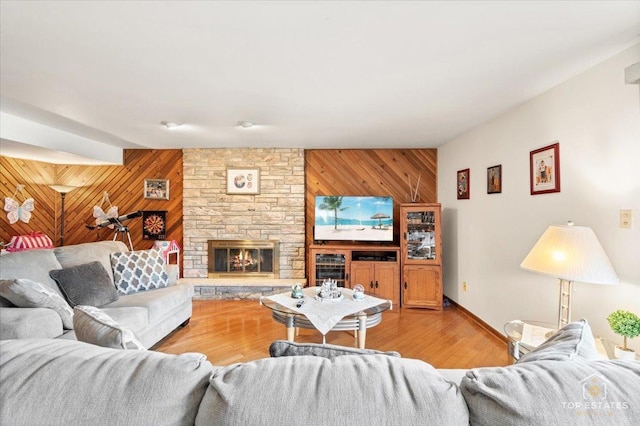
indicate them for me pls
(326, 314)
(274, 306)
(309, 298)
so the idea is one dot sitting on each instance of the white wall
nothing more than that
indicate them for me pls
(596, 119)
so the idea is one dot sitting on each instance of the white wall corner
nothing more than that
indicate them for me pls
(632, 74)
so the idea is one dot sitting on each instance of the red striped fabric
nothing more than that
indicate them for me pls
(31, 241)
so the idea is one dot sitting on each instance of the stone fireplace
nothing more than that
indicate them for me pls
(243, 258)
(276, 213)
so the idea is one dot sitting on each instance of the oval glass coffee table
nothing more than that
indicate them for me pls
(358, 321)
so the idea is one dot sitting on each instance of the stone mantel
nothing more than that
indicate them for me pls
(239, 288)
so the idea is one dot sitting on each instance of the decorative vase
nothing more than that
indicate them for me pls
(622, 354)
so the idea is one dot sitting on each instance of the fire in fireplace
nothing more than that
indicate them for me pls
(243, 258)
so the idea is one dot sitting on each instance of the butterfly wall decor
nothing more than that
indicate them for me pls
(100, 215)
(15, 210)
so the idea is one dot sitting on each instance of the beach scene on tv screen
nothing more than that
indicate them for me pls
(353, 218)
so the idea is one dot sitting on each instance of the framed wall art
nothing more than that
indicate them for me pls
(463, 186)
(494, 179)
(156, 189)
(243, 181)
(544, 173)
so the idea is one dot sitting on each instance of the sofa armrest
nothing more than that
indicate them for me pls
(22, 323)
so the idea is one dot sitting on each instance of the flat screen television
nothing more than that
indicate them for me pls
(353, 218)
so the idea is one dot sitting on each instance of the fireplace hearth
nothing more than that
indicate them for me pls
(243, 258)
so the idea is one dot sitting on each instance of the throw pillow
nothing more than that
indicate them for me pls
(25, 293)
(93, 325)
(140, 270)
(554, 393)
(286, 348)
(573, 341)
(345, 390)
(87, 284)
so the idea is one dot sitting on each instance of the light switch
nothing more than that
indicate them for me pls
(625, 219)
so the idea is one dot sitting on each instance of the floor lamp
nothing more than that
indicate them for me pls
(570, 253)
(62, 189)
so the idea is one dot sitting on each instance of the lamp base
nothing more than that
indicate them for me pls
(564, 304)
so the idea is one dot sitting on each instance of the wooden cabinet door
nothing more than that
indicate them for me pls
(380, 279)
(422, 287)
(387, 282)
(363, 273)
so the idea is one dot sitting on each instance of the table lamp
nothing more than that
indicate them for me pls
(570, 253)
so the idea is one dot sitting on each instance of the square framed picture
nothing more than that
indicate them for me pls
(156, 189)
(494, 179)
(463, 186)
(243, 181)
(545, 169)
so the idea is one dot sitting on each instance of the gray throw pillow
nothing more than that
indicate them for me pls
(94, 326)
(345, 390)
(285, 348)
(87, 284)
(554, 393)
(89, 385)
(25, 293)
(574, 341)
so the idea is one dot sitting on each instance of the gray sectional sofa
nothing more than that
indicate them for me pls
(150, 314)
(60, 382)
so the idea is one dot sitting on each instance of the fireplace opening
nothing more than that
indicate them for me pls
(243, 258)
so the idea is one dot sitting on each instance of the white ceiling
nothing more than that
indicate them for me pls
(311, 74)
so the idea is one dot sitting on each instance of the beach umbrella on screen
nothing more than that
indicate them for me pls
(380, 216)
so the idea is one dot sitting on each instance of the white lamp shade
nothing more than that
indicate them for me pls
(571, 253)
(63, 189)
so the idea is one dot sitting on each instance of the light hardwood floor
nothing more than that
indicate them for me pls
(230, 331)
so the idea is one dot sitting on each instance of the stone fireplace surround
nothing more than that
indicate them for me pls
(276, 213)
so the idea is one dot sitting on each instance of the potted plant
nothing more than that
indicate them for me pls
(626, 324)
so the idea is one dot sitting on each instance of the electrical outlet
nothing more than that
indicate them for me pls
(464, 286)
(625, 219)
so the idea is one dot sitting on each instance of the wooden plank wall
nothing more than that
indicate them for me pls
(34, 176)
(124, 185)
(378, 172)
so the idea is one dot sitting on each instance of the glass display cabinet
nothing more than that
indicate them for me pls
(421, 255)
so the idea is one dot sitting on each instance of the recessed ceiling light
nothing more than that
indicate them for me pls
(170, 124)
(245, 124)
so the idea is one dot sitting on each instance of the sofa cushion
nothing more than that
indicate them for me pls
(573, 341)
(554, 393)
(159, 303)
(33, 265)
(140, 270)
(25, 293)
(64, 382)
(21, 323)
(80, 254)
(135, 318)
(87, 284)
(345, 390)
(286, 348)
(94, 326)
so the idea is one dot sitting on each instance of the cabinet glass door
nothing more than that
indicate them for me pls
(421, 229)
(421, 235)
(331, 266)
